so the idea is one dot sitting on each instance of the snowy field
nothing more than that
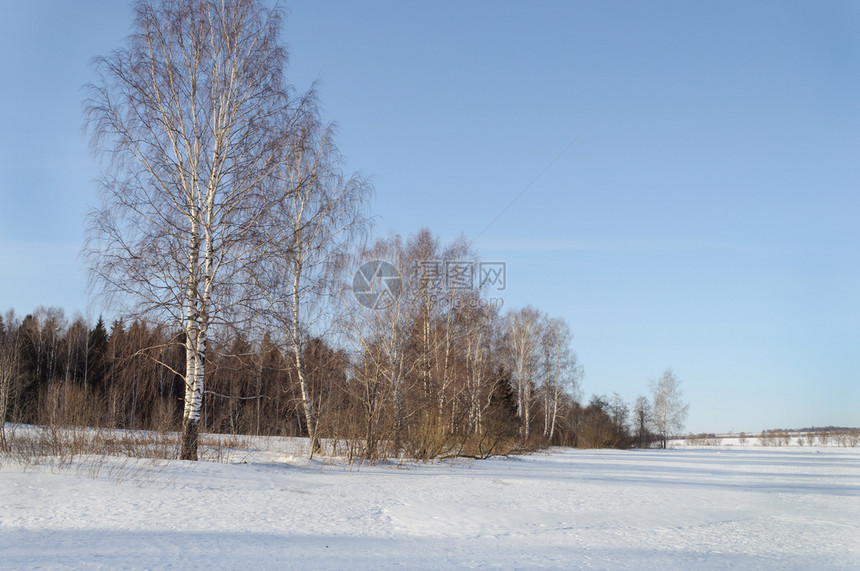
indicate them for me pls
(717, 508)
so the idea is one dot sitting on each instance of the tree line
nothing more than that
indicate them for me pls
(447, 383)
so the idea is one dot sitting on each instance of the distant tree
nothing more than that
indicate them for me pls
(488, 394)
(40, 337)
(502, 412)
(668, 409)
(387, 366)
(97, 346)
(642, 420)
(268, 376)
(231, 386)
(596, 428)
(523, 330)
(112, 381)
(75, 351)
(325, 376)
(9, 370)
(619, 411)
(560, 370)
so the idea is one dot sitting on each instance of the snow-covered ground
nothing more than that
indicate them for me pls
(718, 508)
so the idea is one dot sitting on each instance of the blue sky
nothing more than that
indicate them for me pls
(706, 220)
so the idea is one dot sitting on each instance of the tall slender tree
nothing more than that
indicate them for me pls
(309, 232)
(192, 115)
(560, 369)
(523, 330)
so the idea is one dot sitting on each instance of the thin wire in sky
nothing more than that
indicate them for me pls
(536, 178)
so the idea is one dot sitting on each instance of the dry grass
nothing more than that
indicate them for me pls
(122, 455)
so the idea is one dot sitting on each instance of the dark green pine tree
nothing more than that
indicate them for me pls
(32, 366)
(97, 346)
(503, 404)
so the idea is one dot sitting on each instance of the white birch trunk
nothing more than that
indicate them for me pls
(193, 360)
(307, 401)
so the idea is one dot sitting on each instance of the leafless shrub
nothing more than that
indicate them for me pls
(846, 438)
(774, 438)
(703, 440)
(428, 438)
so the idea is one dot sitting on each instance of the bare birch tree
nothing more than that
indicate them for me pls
(560, 368)
(191, 116)
(668, 409)
(381, 331)
(421, 349)
(522, 333)
(461, 291)
(478, 342)
(310, 229)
